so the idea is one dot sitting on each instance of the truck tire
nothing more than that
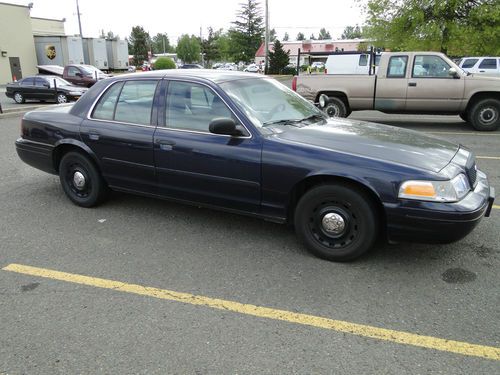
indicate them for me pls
(335, 108)
(485, 115)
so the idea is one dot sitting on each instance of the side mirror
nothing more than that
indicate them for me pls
(224, 126)
(453, 73)
(46, 85)
(79, 74)
(323, 100)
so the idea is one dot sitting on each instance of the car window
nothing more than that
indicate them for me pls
(397, 67)
(469, 63)
(429, 66)
(363, 60)
(40, 82)
(28, 82)
(73, 71)
(191, 106)
(136, 102)
(105, 108)
(488, 64)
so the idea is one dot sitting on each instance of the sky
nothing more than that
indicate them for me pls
(187, 16)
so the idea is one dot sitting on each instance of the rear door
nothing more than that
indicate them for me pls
(431, 88)
(119, 130)
(195, 165)
(488, 66)
(392, 85)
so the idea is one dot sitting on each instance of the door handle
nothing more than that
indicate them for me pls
(482, 71)
(93, 135)
(166, 145)
(412, 84)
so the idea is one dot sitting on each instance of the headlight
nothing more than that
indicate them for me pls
(76, 93)
(436, 191)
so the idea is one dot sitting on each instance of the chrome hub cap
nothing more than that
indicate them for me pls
(488, 115)
(79, 180)
(333, 223)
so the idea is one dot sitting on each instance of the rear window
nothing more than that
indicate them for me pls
(28, 82)
(488, 64)
(397, 67)
(363, 60)
(469, 63)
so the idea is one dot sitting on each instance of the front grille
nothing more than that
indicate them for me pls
(472, 174)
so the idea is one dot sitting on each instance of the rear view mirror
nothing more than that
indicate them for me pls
(453, 73)
(224, 126)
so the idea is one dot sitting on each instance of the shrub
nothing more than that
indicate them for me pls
(164, 63)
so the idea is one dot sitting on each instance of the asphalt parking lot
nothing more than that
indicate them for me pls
(145, 286)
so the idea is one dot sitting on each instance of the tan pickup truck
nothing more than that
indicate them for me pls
(409, 82)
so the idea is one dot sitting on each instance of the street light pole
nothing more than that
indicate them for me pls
(79, 21)
(266, 40)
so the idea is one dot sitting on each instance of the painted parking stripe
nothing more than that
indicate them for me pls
(485, 134)
(488, 157)
(496, 207)
(399, 337)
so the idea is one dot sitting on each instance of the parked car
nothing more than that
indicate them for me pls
(410, 82)
(131, 69)
(192, 66)
(217, 65)
(317, 65)
(44, 88)
(252, 68)
(247, 144)
(83, 75)
(228, 66)
(481, 65)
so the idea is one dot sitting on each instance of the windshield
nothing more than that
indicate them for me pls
(266, 102)
(59, 82)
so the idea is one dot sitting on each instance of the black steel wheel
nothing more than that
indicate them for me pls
(336, 222)
(80, 180)
(485, 115)
(335, 108)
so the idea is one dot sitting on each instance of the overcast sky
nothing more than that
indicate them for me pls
(187, 16)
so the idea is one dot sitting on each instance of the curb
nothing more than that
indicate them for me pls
(14, 111)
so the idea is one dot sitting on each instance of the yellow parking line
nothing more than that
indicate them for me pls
(400, 337)
(496, 207)
(488, 157)
(486, 134)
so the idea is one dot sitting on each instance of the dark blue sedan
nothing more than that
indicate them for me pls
(247, 144)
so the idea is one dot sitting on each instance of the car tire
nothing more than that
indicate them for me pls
(81, 180)
(485, 115)
(61, 98)
(19, 98)
(335, 108)
(336, 222)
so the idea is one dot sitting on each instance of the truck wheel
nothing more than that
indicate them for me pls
(336, 222)
(19, 98)
(485, 115)
(335, 108)
(62, 98)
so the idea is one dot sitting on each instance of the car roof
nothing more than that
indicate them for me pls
(216, 76)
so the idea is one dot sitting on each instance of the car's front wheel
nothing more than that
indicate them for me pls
(336, 222)
(81, 180)
(19, 98)
(485, 115)
(62, 98)
(335, 108)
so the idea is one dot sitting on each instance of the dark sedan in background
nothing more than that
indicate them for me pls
(44, 88)
(247, 144)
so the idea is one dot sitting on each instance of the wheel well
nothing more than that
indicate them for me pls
(480, 96)
(337, 94)
(62, 150)
(305, 185)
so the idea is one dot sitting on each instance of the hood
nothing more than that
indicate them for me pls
(381, 142)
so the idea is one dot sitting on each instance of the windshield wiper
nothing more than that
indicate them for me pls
(314, 117)
(282, 122)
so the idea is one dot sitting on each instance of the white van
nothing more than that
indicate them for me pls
(350, 63)
(481, 65)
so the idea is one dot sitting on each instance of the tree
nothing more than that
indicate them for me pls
(278, 58)
(272, 34)
(109, 35)
(323, 34)
(286, 37)
(223, 44)
(188, 48)
(247, 32)
(161, 43)
(312, 37)
(164, 63)
(455, 27)
(352, 32)
(301, 36)
(139, 42)
(210, 47)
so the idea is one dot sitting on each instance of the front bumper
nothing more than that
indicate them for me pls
(433, 222)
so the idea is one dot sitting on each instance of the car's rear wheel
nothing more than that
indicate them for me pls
(81, 180)
(19, 98)
(335, 108)
(485, 115)
(62, 98)
(336, 222)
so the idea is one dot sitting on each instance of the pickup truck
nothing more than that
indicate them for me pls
(409, 82)
(83, 75)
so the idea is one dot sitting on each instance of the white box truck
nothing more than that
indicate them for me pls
(95, 53)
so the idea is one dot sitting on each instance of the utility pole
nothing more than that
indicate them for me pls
(266, 40)
(79, 21)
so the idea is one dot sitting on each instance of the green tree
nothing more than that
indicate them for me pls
(272, 34)
(247, 32)
(161, 43)
(454, 27)
(223, 44)
(352, 32)
(164, 63)
(312, 37)
(210, 46)
(188, 48)
(301, 36)
(278, 58)
(139, 42)
(286, 37)
(323, 34)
